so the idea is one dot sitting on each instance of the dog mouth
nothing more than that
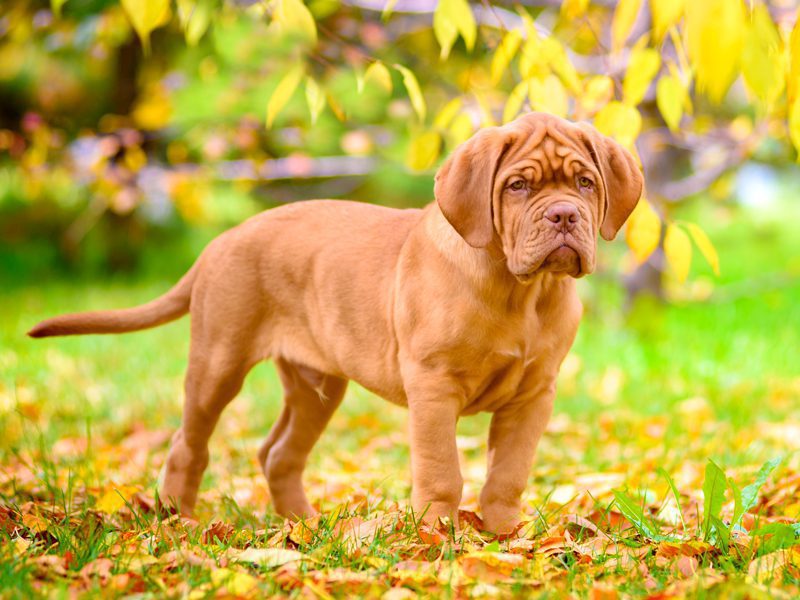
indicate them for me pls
(563, 259)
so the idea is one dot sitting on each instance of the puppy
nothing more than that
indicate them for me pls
(467, 305)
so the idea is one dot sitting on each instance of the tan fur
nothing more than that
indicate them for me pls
(467, 305)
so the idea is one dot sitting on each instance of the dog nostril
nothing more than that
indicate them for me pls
(562, 213)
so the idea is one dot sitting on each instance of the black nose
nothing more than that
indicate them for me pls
(563, 216)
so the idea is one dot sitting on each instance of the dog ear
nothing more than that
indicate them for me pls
(622, 180)
(465, 185)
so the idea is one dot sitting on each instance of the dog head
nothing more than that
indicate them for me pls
(542, 187)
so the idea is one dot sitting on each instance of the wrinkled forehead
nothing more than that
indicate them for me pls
(545, 150)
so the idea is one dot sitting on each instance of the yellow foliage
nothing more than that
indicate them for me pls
(678, 251)
(532, 61)
(423, 151)
(504, 54)
(642, 67)
(762, 57)
(414, 91)
(195, 16)
(706, 247)
(379, 74)
(548, 95)
(671, 95)
(794, 124)
(292, 17)
(572, 9)
(451, 18)
(236, 583)
(793, 85)
(643, 231)
(114, 498)
(557, 59)
(315, 98)
(620, 121)
(461, 129)
(622, 22)
(665, 14)
(283, 93)
(515, 101)
(597, 92)
(715, 30)
(447, 113)
(153, 109)
(145, 16)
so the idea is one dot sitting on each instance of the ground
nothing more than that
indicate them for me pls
(649, 481)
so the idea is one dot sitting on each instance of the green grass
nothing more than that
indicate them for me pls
(661, 385)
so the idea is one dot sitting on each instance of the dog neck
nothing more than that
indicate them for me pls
(483, 269)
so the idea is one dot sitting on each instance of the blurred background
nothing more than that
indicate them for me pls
(133, 132)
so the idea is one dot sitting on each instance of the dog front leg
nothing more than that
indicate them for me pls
(514, 434)
(435, 473)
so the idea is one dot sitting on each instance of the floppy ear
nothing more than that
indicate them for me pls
(465, 184)
(622, 180)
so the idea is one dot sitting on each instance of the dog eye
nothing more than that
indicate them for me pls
(585, 182)
(517, 185)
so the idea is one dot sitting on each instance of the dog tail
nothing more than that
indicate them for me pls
(170, 306)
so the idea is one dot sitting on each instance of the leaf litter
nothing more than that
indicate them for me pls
(83, 520)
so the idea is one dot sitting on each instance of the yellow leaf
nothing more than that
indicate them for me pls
(620, 121)
(304, 532)
(762, 57)
(268, 558)
(56, 5)
(387, 9)
(195, 17)
(283, 93)
(642, 67)
(706, 247)
(532, 62)
(670, 97)
(337, 109)
(451, 18)
(145, 16)
(461, 129)
(793, 84)
(556, 57)
(115, 498)
(515, 101)
(573, 9)
(414, 91)
(504, 54)
(35, 522)
(665, 14)
(678, 251)
(448, 113)
(237, 583)
(423, 151)
(292, 17)
(794, 125)
(715, 30)
(622, 21)
(597, 92)
(315, 98)
(153, 108)
(643, 231)
(548, 95)
(378, 73)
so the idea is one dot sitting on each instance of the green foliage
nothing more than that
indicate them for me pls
(230, 89)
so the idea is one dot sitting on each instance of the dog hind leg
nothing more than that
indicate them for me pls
(310, 399)
(214, 377)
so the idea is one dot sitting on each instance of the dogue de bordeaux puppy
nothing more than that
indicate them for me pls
(464, 306)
